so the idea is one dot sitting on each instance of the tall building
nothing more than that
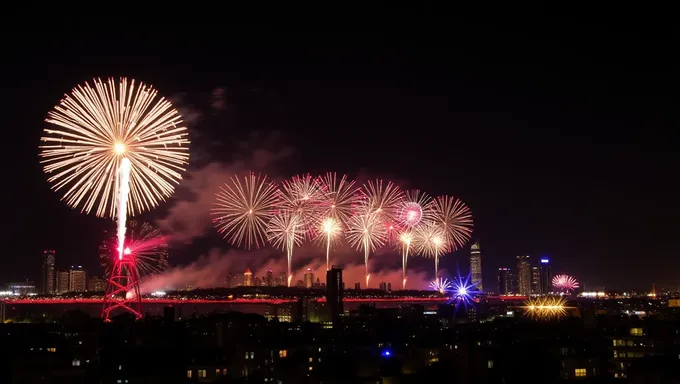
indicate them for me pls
(63, 285)
(2, 312)
(545, 276)
(270, 278)
(309, 278)
(47, 277)
(229, 280)
(96, 284)
(523, 275)
(77, 279)
(334, 293)
(248, 278)
(504, 281)
(283, 276)
(476, 266)
(535, 280)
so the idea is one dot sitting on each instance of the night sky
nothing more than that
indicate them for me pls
(562, 141)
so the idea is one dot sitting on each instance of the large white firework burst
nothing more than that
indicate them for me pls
(95, 127)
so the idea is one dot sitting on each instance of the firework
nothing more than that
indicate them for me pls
(244, 208)
(464, 290)
(285, 232)
(339, 198)
(143, 242)
(565, 283)
(383, 199)
(301, 196)
(455, 218)
(430, 242)
(329, 231)
(405, 241)
(441, 284)
(414, 208)
(543, 308)
(98, 126)
(366, 232)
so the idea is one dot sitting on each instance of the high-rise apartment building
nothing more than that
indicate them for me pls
(47, 277)
(476, 266)
(247, 278)
(524, 275)
(96, 284)
(309, 278)
(63, 285)
(334, 293)
(504, 281)
(545, 276)
(535, 280)
(77, 279)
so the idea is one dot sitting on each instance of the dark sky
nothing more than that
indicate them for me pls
(562, 140)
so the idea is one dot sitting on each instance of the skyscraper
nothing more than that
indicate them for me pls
(545, 275)
(535, 280)
(247, 278)
(476, 266)
(523, 275)
(47, 277)
(309, 278)
(77, 279)
(63, 285)
(334, 293)
(504, 283)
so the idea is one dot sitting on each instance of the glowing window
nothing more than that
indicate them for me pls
(202, 373)
(189, 374)
(636, 332)
(283, 353)
(489, 364)
(580, 372)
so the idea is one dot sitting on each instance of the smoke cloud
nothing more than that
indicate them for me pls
(188, 218)
(211, 270)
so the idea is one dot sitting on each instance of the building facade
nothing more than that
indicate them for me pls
(63, 282)
(545, 275)
(77, 279)
(476, 266)
(47, 276)
(523, 275)
(504, 281)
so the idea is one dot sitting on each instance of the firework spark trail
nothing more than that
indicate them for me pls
(285, 232)
(123, 194)
(405, 239)
(366, 232)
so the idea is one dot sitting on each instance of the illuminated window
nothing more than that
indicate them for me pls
(189, 374)
(75, 363)
(247, 355)
(252, 355)
(224, 372)
(489, 364)
(310, 359)
(202, 373)
(51, 349)
(636, 332)
(218, 372)
(580, 372)
(283, 353)
(310, 368)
